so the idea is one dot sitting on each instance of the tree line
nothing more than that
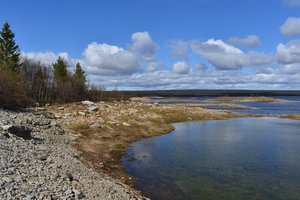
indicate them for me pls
(24, 81)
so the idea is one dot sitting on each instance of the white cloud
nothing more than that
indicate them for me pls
(152, 67)
(227, 57)
(249, 41)
(142, 44)
(179, 48)
(293, 2)
(180, 68)
(289, 53)
(291, 27)
(216, 79)
(108, 59)
(291, 68)
(46, 58)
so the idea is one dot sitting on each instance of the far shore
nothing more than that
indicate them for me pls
(223, 99)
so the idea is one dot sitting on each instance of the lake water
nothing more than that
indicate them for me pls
(244, 158)
(292, 107)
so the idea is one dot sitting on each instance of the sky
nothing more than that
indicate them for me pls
(164, 44)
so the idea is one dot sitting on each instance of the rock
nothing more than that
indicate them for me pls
(61, 108)
(95, 126)
(67, 114)
(7, 179)
(93, 109)
(48, 167)
(89, 103)
(125, 124)
(57, 116)
(6, 127)
(156, 104)
(69, 192)
(29, 197)
(43, 157)
(36, 104)
(2, 183)
(78, 194)
(70, 176)
(81, 113)
(40, 109)
(53, 123)
(20, 131)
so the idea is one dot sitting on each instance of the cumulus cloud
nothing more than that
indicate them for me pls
(180, 68)
(291, 27)
(143, 44)
(249, 41)
(226, 57)
(289, 53)
(109, 59)
(45, 58)
(179, 49)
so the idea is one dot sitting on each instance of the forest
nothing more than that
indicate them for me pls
(24, 82)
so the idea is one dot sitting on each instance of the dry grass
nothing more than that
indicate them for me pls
(295, 117)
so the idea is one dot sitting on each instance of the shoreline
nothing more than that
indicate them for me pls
(104, 143)
(98, 136)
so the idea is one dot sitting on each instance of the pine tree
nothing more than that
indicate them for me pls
(60, 70)
(79, 73)
(9, 50)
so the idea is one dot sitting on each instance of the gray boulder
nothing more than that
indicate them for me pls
(20, 131)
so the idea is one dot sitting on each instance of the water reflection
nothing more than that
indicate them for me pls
(248, 158)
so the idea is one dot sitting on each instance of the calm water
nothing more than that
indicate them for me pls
(292, 107)
(245, 158)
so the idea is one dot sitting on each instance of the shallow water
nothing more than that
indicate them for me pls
(292, 107)
(245, 158)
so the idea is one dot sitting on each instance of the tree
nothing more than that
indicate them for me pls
(9, 50)
(14, 92)
(60, 70)
(79, 88)
(80, 73)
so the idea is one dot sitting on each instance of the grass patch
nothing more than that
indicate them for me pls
(80, 127)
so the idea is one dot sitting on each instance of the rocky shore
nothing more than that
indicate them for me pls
(37, 161)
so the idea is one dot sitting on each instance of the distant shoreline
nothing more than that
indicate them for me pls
(213, 93)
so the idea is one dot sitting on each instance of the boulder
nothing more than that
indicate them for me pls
(89, 103)
(93, 109)
(20, 131)
(81, 113)
(125, 124)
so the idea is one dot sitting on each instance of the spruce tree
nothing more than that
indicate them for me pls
(9, 50)
(80, 73)
(60, 70)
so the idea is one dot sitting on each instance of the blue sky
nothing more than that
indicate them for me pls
(164, 44)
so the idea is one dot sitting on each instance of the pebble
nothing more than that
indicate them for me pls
(46, 166)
